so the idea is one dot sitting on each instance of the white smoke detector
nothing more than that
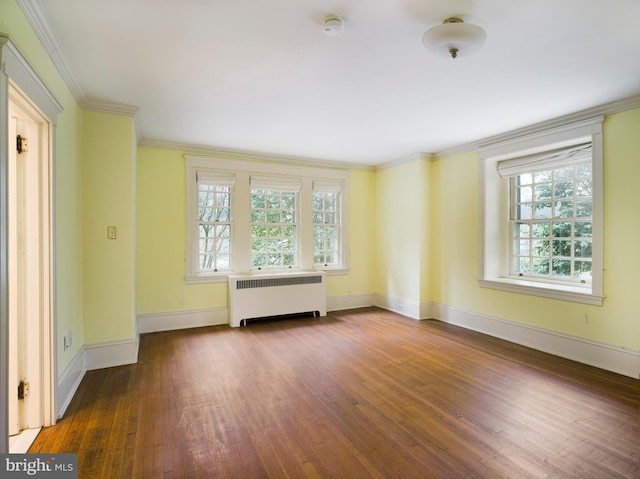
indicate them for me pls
(332, 26)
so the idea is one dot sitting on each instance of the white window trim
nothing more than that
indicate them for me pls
(243, 171)
(493, 267)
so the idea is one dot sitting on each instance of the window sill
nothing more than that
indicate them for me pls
(560, 292)
(205, 278)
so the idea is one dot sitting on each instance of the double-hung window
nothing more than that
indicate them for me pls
(274, 223)
(542, 214)
(326, 223)
(551, 207)
(251, 216)
(214, 221)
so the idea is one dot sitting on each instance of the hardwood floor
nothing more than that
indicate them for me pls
(356, 394)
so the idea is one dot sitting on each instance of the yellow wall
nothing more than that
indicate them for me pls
(108, 200)
(161, 226)
(68, 184)
(402, 225)
(455, 216)
(413, 230)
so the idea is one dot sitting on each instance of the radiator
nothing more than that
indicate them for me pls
(263, 295)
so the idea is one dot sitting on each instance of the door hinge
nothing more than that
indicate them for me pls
(23, 389)
(22, 144)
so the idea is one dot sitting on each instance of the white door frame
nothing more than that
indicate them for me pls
(15, 70)
(30, 280)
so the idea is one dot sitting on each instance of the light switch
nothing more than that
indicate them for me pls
(111, 232)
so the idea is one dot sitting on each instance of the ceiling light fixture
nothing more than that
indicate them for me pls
(454, 37)
(332, 26)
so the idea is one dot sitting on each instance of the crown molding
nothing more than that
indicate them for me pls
(606, 109)
(39, 20)
(41, 24)
(407, 159)
(248, 155)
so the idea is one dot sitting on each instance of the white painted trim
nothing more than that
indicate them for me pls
(407, 159)
(599, 110)
(27, 80)
(349, 301)
(603, 356)
(405, 307)
(154, 322)
(244, 155)
(111, 354)
(69, 381)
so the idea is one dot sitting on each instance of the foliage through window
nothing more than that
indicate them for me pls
(247, 216)
(551, 223)
(273, 229)
(214, 227)
(541, 222)
(326, 225)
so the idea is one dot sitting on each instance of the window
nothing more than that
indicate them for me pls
(326, 224)
(551, 220)
(249, 216)
(274, 224)
(542, 221)
(214, 222)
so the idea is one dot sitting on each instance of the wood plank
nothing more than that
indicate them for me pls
(359, 393)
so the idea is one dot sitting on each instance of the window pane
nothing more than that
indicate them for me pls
(525, 194)
(521, 247)
(540, 230)
(542, 176)
(525, 179)
(582, 269)
(522, 230)
(583, 249)
(562, 248)
(563, 173)
(524, 211)
(540, 266)
(583, 229)
(542, 192)
(563, 189)
(564, 209)
(561, 267)
(584, 187)
(543, 210)
(584, 208)
(541, 247)
(561, 229)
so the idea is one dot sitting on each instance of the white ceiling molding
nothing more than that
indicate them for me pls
(407, 159)
(601, 110)
(247, 155)
(39, 20)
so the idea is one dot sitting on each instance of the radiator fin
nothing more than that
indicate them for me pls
(271, 282)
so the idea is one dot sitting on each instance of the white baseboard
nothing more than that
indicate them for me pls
(405, 307)
(600, 355)
(111, 354)
(350, 301)
(69, 381)
(151, 323)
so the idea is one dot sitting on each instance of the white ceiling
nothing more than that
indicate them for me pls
(260, 76)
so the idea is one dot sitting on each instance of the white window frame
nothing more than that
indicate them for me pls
(335, 188)
(276, 173)
(279, 186)
(494, 239)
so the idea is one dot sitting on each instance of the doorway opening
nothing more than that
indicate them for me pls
(30, 284)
